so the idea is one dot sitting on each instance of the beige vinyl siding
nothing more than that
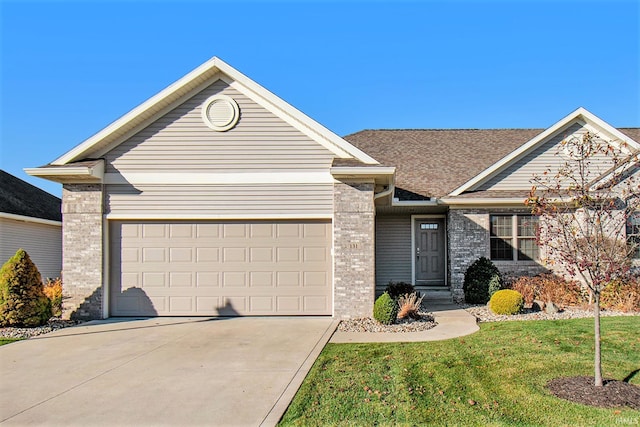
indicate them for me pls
(221, 200)
(180, 141)
(518, 175)
(393, 250)
(42, 242)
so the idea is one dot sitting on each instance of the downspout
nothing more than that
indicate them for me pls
(384, 193)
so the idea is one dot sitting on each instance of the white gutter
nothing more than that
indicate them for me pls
(362, 171)
(30, 219)
(96, 171)
(397, 202)
(482, 201)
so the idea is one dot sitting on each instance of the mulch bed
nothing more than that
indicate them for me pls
(613, 394)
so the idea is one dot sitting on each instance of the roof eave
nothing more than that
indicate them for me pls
(33, 219)
(383, 175)
(484, 201)
(70, 174)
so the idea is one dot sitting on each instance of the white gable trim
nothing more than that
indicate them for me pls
(580, 115)
(176, 93)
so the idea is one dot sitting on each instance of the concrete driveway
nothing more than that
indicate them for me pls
(160, 371)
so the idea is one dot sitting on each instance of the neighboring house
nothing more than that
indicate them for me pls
(30, 218)
(216, 197)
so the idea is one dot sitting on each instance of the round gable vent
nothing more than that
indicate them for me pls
(220, 113)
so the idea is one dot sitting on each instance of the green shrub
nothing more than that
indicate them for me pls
(22, 298)
(476, 281)
(396, 289)
(506, 301)
(548, 288)
(621, 295)
(385, 309)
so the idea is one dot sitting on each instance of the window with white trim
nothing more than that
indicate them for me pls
(513, 237)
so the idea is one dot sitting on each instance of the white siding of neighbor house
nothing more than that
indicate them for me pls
(180, 144)
(247, 200)
(393, 250)
(518, 175)
(42, 242)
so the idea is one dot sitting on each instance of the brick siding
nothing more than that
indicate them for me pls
(354, 250)
(468, 234)
(82, 209)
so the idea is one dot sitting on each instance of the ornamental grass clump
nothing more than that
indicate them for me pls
(409, 306)
(506, 301)
(22, 298)
(385, 309)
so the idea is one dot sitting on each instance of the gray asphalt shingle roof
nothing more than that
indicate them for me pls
(21, 198)
(434, 162)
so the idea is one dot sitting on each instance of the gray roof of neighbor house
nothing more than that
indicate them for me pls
(434, 162)
(21, 198)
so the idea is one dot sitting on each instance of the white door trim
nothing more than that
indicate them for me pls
(413, 245)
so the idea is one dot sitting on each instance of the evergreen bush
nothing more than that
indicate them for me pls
(385, 309)
(477, 279)
(22, 298)
(396, 289)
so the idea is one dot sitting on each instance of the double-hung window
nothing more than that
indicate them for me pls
(513, 237)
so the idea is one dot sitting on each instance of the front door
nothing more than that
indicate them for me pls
(429, 252)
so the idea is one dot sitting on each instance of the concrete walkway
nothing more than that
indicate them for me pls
(452, 320)
(160, 371)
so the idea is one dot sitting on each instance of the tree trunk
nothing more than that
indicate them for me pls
(598, 360)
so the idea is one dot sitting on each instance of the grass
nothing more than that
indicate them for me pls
(4, 341)
(492, 378)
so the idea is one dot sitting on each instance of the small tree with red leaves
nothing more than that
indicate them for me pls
(585, 204)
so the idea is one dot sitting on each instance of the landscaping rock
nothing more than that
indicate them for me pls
(551, 308)
(483, 314)
(52, 325)
(537, 305)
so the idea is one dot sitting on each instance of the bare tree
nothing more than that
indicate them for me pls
(585, 204)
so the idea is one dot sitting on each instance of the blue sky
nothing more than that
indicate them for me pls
(70, 68)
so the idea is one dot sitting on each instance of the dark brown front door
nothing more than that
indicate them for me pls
(429, 252)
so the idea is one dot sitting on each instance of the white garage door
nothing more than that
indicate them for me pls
(220, 268)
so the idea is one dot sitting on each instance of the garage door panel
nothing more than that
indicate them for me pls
(261, 279)
(220, 268)
(181, 305)
(181, 230)
(208, 304)
(315, 303)
(234, 279)
(154, 231)
(207, 279)
(180, 280)
(289, 304)
(261, 255)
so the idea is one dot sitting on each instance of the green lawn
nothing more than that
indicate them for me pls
(4, 341)
(494, 377)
